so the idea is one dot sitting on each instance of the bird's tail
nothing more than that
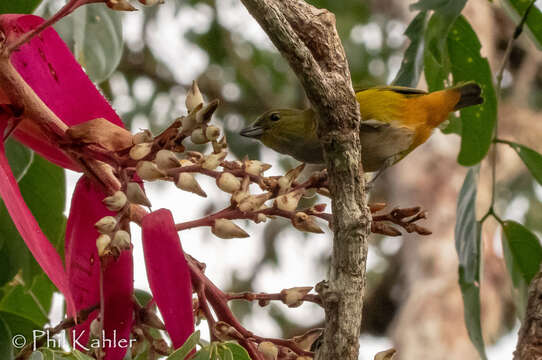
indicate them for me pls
(471, 94)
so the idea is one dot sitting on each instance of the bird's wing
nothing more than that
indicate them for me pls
(381, 141)
(398, 89)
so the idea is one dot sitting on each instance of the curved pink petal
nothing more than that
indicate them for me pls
(48, 66)
(169, 275)
(38, 244)
(83, 268)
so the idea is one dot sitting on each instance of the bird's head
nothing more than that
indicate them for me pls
(278, 122)
(288, 131)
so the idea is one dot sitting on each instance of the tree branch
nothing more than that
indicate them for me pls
(308, 40)
(529, 346)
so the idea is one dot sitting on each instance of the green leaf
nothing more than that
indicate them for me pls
(531, 159)
(467, 228)
(468, 246)
(477, 122)
(182, 352)
(412, 64)
(80, 356)
(96, 32)
(446, 7)
(48, 354)
(19, 157)
(36, 355)
(43, 189)
(18, 6)
(19, 326)
(6, 350)
(32, 304)
(237, 351)
(516, 9)
(203, 354)
(520, 287)
(524, 247)
(142, 297)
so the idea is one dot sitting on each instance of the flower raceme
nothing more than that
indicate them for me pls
(50, 70)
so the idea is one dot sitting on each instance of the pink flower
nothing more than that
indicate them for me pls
(50, 69)
(169, 275)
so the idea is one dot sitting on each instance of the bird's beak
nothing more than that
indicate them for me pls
(253, 131)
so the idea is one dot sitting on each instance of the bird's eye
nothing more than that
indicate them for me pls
(274, 117)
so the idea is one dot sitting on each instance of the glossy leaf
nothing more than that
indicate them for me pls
(32, 303)
(468, 246)
(25, 222)
(18, 6)
(6, 347)
(520, 287)
(97, 37)
(531, 159)
(20, 158)
(525, 249)
(43, 189)
(237, 351)
(448, 7)
(467, 64)
(517, 8)
(412, 64)
(182, 352)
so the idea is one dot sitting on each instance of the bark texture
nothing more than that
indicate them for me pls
(529, 345)
(307, 38)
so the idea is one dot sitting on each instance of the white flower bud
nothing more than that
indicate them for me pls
(136, 195)
(269, 350)
(96, 328)
(187, 182)
(289, 201)
(253, 202)
(149, 171)
(120, 5)
(142, 137)
(306, 223)
(212, 133)
(166, 159)
(116, 201)
(198, 137)
(121, 240)
(286, 181)
(193, 97)
(102, 243)
(139, 151)
(204, 115)
(189, 122)
(228, 182)
(185, 162)
(255, 167)
(106, 224)
(293, 297)
(150, 2)
(212, 161)
(386, 355)
(226, 229)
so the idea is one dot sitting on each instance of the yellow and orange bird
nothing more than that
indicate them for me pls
(395, 120)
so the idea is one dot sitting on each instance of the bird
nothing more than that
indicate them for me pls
(394, 121)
